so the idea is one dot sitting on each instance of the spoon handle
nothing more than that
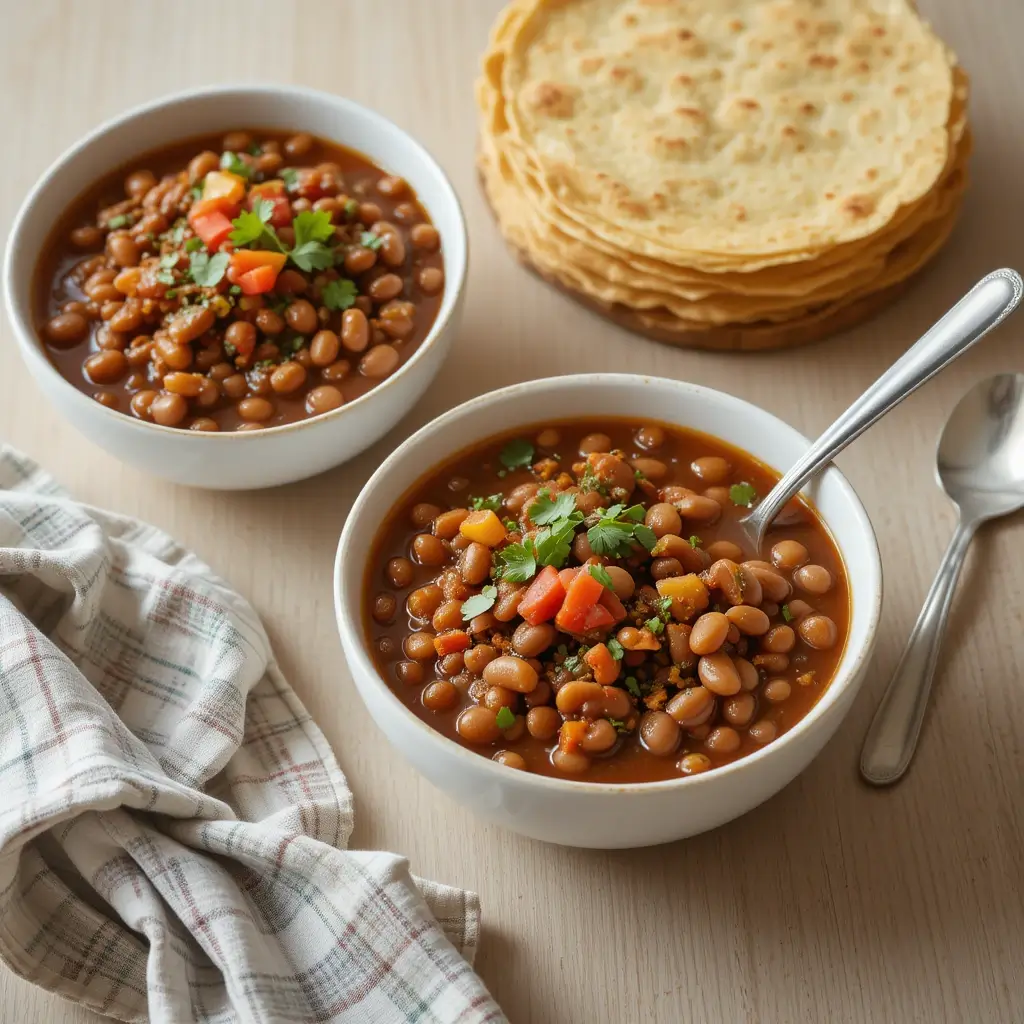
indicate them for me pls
(892, 737)
(989, 302)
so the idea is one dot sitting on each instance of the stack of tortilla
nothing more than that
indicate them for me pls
(723, 173)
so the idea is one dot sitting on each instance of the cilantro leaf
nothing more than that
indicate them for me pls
(118, 222)
(340, 294)
(165, 277)
(645, 535)
(786, 613)
(553, 544)
(290, 177)
(492, 502)
(600, 573)
(511, 525)
(370, 240)
(193, 245)
(695, 541)
(620, 726)
(575, 661)
(313, 226)
(544, 511)
(742, 494)
(233, 163)
(312, 256)
(590, 481)
(633, 686)
(505, 719)
(177, 233)
(615, 649)
(252, 227)
(207, 270)
(351, 208)
(516, 454)
(655, 625)
(479, 603)
(516, 562)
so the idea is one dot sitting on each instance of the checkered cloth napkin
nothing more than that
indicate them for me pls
(172, 823)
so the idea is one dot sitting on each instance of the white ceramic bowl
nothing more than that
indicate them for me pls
(586, 813)
(248, 459)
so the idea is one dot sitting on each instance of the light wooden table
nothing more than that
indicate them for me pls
(831, 902)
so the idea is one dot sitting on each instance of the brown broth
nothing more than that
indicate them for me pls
(477, 472)
(54, 286)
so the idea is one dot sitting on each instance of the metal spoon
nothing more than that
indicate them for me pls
(980, 465)
(988, 303)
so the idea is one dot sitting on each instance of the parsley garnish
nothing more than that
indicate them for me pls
(252, 227)
(511, 525)
(351, 208)
(786, 613)
(165, 277)
(177, 233)
(742, 494)
(196, 192)
(615, 530)
(370, 240)
(695, 541)
(544, 511)
(339, 294)
(492, 502)
(193, 245)
(620, 726)
(516, 562)
(575, 661)
(615, 649)
(207, 270)
(664, 607)
(591, 482)
(235, 290)
(553, 543)
(505, 718)
(600, 573)
(236, 165)
(171, 293)
(290, 177)
(516, 454)
(254, 149)
(638, 475)
(655, 625)
(633, 686)
(118, 222)
(312, 229)
(479, 603)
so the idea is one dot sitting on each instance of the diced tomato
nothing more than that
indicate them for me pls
(245, 260)
(213, 228)
(543, 597)
(571, 734)
(581, 596)
(613, 604)
(451, 641)
(606, 668)
(598, 617)
(257, 281)
(274, 193)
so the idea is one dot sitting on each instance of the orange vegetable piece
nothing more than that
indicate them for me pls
(689, 595)
(258, 281)
(451, 641)
(570, 736)
(582, 594)
(223, 185)
(244, 260)
(483, 526)
(543, 597)
(605, 667)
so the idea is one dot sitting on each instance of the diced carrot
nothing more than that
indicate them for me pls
(483, 526)
(223, 185)
(606, 668)
(258, 281)
(598, 617)
(570, 735)
(543, 597)
(244, 260)
(610, 601)
(568, 575)
(581, 595)
(213, 227)
(451, 641)
(689, 595)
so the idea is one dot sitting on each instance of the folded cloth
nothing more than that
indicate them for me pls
(172, 823)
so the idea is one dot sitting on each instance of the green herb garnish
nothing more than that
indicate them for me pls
(492, 502)
(544, 511)
(252, 227)
(615, 530)
(742, 494)
(165, 277)
(370, 240)
(193, 245)
(312, 229)
(236, 165)
(515, 562)
(633, 686)
(615, 649)
(196, 192)
(575, 661)
(600, 573)
(118, 222)
(177, 234)
(620, 726)
(553, 544)
(235, 290)
(695, 541)
(655, 625)
(591, 482)
(207, 270)
(511, 525)
(340, 294)
(787, 615)
(290, 177)
(505, 718)
(517, 454)
(351, 208)
(479, 603)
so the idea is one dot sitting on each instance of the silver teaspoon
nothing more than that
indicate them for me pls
(987, 304)
(980, 465)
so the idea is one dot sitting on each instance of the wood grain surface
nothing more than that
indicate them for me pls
(832, 902)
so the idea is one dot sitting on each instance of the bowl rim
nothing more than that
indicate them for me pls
(30, 344)
(349, 614)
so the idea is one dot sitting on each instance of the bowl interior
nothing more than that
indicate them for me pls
(187, 115)
(741, 424)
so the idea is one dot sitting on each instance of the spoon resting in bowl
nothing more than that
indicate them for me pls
(985, 306)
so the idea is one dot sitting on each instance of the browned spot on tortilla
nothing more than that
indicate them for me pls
(591, 64)
(859, 206)
(789, 130)
(900, 90)
(877, 30)
(830, 195)
(847, 97)
(823, 60)
(736, 25)
(871, 173)
(631, 21)
(748, 104)
(553, 99)
(808, 108)
(691, 112)
(683, 80)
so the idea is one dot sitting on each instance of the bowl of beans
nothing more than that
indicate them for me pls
(238, 287)
(561, 624)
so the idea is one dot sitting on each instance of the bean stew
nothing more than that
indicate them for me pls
(239, 282)
(578, 600)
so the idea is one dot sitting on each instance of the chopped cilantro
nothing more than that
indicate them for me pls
(742, 494)
(664, 606)
(171, 293)
(312, 229)
(235, 290)
(638, 475)
(340, 294)
(620, 726)
(786, 613)
(655, 625)
(118, 222)
(370, 240)
(207, 270)
(544, 511)
(600, 573)
(615, 529)
(645, 535)
(553, 543)
(177, 233)
(254, 149)
(575, 661)
(591, 482)
(165, 277)
(511, 525)
(351, 208)
(505, 718)
(633, 686)
(516, 454)
(233, 163)
(252, 228)
(169, 260)
(229, 350)
(196, 192)
(479, 603)
(492, 502)
(615, 649)
(695, 541)
(290, 177)
(516, 562)
(193, 245)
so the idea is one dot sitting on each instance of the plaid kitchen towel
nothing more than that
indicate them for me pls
(172, 823)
